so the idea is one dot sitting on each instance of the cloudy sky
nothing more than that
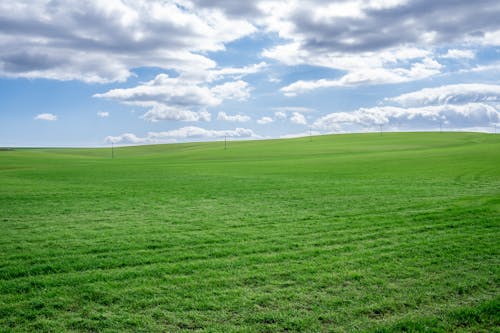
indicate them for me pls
(88, 73)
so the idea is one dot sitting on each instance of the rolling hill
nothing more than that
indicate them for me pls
(359, 232)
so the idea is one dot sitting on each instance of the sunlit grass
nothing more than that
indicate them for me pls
(345, 233)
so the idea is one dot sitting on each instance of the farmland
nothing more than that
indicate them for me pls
(341, 233)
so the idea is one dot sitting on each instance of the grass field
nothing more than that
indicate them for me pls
(365, 232)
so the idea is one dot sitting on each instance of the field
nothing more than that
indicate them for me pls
(363, 232)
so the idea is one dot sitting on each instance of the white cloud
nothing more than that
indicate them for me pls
(321, 28)
(265, 120)
(358, 41)
(295, 117)
(100, 41)
(176, 98)
(301, 86)
(161, 112)
(450, 94)
(126, 138)
(46, 116)
(197, 132)
(103, 114)
(171, 91)
(235, 72)
(459, 54)
(301, 109)
(456, 116)
(299, 135)
(189, 132)
(238, 90)
(236, 118)
(368, 76)
(298, 118)
(280, 115)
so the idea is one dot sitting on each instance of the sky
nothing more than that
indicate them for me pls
(93, 73)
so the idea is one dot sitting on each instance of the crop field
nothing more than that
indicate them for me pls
(341, 233)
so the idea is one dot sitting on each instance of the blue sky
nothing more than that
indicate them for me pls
(90, 73)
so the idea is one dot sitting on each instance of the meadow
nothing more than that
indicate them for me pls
(339, 233)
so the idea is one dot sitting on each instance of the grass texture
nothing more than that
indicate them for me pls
(341, 233)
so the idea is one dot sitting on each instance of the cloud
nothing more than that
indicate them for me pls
(161, 112)
(280, 115)
(238, 90)
(368, 76)
(354, 37)
(450, 94)
(295, 117)
(301, 109)
(175, 98)
(103, 114)
(100, 41)
(454, 116)
(298, 118)
(236, 118)
(361, 26)
(46, 116)
(189, 132)
(265, 120)
(301, 86)
(231, 7)
(299, 135)
(125, 138)
(235, 72)
(166, 90)
(459, 54)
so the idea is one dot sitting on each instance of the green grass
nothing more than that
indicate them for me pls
(370, 233)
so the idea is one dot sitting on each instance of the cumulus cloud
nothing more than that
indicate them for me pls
(189, 132)
(299, 135)
(235, 118)
(301, 109)
(126, 138)
(162, 112)
(454, 116)
(353, 36)
(265, 120)
(298, 118)
(459, 54)
(238, 90)
(231, 7)
(175, 98)
(235, 72)
(46, 117)
(288, 113)
(280, 115)
(166, 90)
(103, 114)
(100, 41)
(368, 76)
(361, 26)
(450, 94)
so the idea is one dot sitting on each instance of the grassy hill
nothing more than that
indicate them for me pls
(365, 232)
